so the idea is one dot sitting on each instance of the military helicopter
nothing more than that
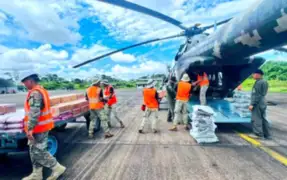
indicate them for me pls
(227, 55)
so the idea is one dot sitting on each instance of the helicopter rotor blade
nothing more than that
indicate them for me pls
(216, 24)
(144, 10)
(129, 47)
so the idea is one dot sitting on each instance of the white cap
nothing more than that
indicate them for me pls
(105, 82)
(185, 78)
(150, 83)
(96, 81)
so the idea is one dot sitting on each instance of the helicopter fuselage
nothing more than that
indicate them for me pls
(262, 27)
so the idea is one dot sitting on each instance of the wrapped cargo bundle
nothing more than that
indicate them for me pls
(68, 98)
(7, 108)
(12, 122)
(203, 126)
(76, 112)
(55, 100)
(84, 109)
(77, 106)
(80, 96)
(61, 109)
(241, 101)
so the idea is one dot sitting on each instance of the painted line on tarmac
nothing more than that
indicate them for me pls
(282, 159)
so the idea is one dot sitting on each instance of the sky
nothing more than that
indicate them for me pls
(50, 36)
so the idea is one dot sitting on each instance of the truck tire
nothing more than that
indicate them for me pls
(53, 143)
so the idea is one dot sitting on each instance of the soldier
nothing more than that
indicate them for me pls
(151, 101)
(96, 104)
(110, 97)
(203, 81)
(38, 122)
(258, 107)
(182, 97)
(171, 94)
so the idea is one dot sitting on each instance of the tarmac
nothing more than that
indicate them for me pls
(166, 155)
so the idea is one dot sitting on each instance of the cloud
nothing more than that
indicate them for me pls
(3, 49)
(42, 22)
(144, 68)
(273, 55)
(41, 59)
(125, 24)
(121, 57)
(71, 73)
(83, 54)
(4, 30)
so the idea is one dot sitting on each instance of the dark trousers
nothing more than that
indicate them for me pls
(260, 124)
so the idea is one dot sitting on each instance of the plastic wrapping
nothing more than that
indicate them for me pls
(203, 126)
(73, 106)
(241, 102)
(7, 108)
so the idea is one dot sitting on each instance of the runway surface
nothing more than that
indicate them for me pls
(166, 155)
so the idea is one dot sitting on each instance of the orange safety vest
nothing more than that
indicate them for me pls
(113, 99)
(45, 120)
(203, 80)
(93, 93)
(183, 91)
(149, 98)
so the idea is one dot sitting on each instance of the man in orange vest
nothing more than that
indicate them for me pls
(96, 104)
(110, 97)
(151, 101)
(202, 80)
(38, 122)
(182, 97)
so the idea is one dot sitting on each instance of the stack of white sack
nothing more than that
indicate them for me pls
(203, 126)
(12, 122)
(241, 101)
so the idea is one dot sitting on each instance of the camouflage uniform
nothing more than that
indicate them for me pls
(110, 110)
(171, 94)
(102, 116)
(40, 157)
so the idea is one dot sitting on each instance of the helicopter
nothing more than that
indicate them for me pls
(228, 55)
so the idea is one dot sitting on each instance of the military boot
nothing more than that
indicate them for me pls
(187, 127)
(108, 135)
(37, 174)
(57, 171)
(122, 124)
(173, 128)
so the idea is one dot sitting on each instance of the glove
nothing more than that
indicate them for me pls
(143, 107)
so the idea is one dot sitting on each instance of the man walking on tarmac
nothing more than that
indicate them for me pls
(111, 99)
(258, 106)
(171, 94)
(151, 101)
(38, 122)
(202, 80)
(96, 104)
(182, 97)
